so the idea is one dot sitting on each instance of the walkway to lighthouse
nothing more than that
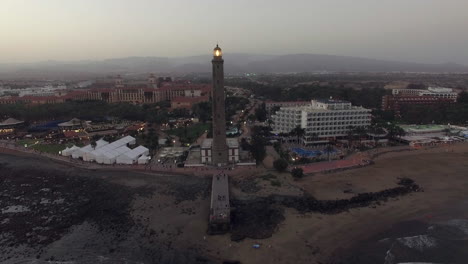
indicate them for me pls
(220, 211)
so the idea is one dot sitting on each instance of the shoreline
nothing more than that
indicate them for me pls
(187, 171)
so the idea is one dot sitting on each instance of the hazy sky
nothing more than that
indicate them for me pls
(409, 30)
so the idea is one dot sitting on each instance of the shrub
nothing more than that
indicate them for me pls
(297, 173)
(276, 183)
(280, 165)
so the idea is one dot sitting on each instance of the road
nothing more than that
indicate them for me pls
(246, 131)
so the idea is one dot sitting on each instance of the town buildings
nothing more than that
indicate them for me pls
(440, 92)
(270, 105)
(322, 120)
(232, 152)
(185, 102)
(47, 90)
(431, 96)
(395, 103)
(9, 126)
(153, 91)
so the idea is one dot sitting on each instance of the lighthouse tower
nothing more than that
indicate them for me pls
(219, 148)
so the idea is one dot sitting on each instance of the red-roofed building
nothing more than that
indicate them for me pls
(187, 102)
(135, 128)
(395, 102)
(119, 92)
(74, 134)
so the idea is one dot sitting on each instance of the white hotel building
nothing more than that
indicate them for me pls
(321, 119)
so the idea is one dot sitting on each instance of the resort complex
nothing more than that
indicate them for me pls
(321, 119)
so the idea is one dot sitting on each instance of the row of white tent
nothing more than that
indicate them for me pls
(110, 153)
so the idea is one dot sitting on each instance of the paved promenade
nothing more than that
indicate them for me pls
(239, 171)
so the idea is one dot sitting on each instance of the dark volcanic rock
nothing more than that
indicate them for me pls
(308, 203)
(258, 218)
(255, 219)
(39, 206)
(51, 211)
(188, 188)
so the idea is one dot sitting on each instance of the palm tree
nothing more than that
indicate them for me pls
(447, 131)
(328, 149)
(350, 135)
(93, 144)
(395, 131)
(270, 122)
(400, 132)
(361, 132)
(185, 128)
(375, 131)
(391, 132)
(298, 132)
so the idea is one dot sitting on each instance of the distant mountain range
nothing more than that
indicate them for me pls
(234, 63)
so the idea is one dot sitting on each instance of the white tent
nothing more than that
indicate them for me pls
(98, 153)
(101, 143)
(132, 156)
(143, 159)
(110, 156)
(65, 151)
(104, 152)
(86, 155)
(80, 153)
(69, 151)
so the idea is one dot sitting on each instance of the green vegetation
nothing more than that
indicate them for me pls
(297, 173)
(280, 165)
(284, 154)
(26, 141)
(150, 140)
(202, 111)
(261, 113)
(275, 183)
(189, 133)
(258, 148)
(422, 127)
(456, 113)
(268, 177)
(156, 113)
(257, 145)
(298, 132)
(41, 146)
(272, 179)
(234, 104)
(50, 148)
(290, 88)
